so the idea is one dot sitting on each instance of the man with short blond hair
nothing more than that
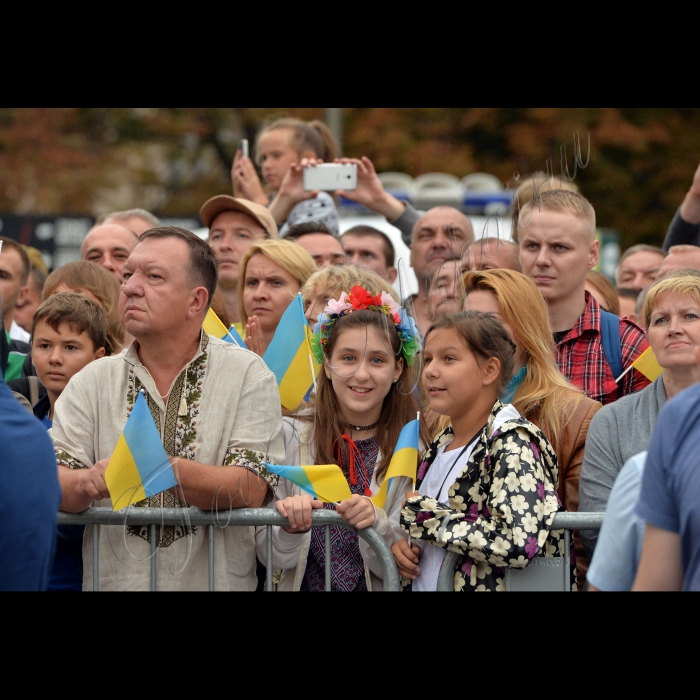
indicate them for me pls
(557, 241)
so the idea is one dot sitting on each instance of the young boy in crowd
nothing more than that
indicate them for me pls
(69, 332)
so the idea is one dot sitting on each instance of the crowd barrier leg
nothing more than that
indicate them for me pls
(211, 557)
(268, 571)
(96, 558)
(328, 557)
(154, 555)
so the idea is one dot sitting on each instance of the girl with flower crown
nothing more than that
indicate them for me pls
(487, 484)
(365, 396)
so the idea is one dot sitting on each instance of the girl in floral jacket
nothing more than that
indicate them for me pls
(487, 483)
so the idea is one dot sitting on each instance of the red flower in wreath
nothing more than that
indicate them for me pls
(361, 299)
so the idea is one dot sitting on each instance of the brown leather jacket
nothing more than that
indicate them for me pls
(570, 457)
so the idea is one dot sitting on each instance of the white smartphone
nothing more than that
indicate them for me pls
(243, 147)
(330, 176)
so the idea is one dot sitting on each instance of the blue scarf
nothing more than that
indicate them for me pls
(513, 384)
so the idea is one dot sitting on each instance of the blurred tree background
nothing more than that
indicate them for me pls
(88, 160)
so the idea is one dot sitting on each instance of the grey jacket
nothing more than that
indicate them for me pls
(617, 432)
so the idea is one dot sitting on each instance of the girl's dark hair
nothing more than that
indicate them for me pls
(485, 336)
(400, 404)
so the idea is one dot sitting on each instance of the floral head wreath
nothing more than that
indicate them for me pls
(357, 300)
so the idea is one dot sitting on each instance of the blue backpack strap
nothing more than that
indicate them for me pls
(610, 336)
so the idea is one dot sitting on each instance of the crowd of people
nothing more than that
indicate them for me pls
(519, 357)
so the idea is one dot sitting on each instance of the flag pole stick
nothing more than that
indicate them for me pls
(624, 373)
(414, 481)
(313, 373)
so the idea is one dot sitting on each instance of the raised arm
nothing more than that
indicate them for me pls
(371, 193)
(685, 226)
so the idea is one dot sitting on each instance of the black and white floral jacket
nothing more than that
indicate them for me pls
(500, 507)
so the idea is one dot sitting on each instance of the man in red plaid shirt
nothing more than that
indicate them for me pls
(557, 244)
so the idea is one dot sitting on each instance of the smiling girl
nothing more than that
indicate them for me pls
(366, 344)
(487, 483)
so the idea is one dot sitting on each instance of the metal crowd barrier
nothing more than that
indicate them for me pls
(533, 578)
(229, 518)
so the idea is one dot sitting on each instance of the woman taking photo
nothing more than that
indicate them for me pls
(487, 484)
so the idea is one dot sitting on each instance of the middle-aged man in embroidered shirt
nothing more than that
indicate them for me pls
(216, 406)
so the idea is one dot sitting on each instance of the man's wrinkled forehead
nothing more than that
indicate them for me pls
(109, 237)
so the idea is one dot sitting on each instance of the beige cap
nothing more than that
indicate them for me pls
(223, 202)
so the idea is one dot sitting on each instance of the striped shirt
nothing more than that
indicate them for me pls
(581, 358)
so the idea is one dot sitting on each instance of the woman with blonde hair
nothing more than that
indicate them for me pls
(272, 274)
(538, 390)
(94, 282)
(330, 282)
(623, 429)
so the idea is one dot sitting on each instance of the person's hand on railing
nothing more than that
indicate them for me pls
(92, 481)
(245, 180)
(297, 509)
(358, 511)
(407, 558)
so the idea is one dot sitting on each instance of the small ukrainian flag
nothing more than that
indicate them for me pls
(324, 482)
(289, 356)
(213, 325)
(404, 461)
(139, 466)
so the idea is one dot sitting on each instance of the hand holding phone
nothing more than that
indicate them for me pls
(330, 177)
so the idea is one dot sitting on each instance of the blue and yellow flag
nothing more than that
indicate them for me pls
(213, 325)
(139, 466)
(324, 482)
(289, 356)
(404, 461)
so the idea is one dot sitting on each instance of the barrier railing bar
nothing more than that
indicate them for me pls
(562, 521)
(268, 571)
(241, 516)
(211, 557)
(328, 557)
(95, 559)
(154, 556)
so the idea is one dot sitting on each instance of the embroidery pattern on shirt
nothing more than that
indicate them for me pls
(179, 438)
